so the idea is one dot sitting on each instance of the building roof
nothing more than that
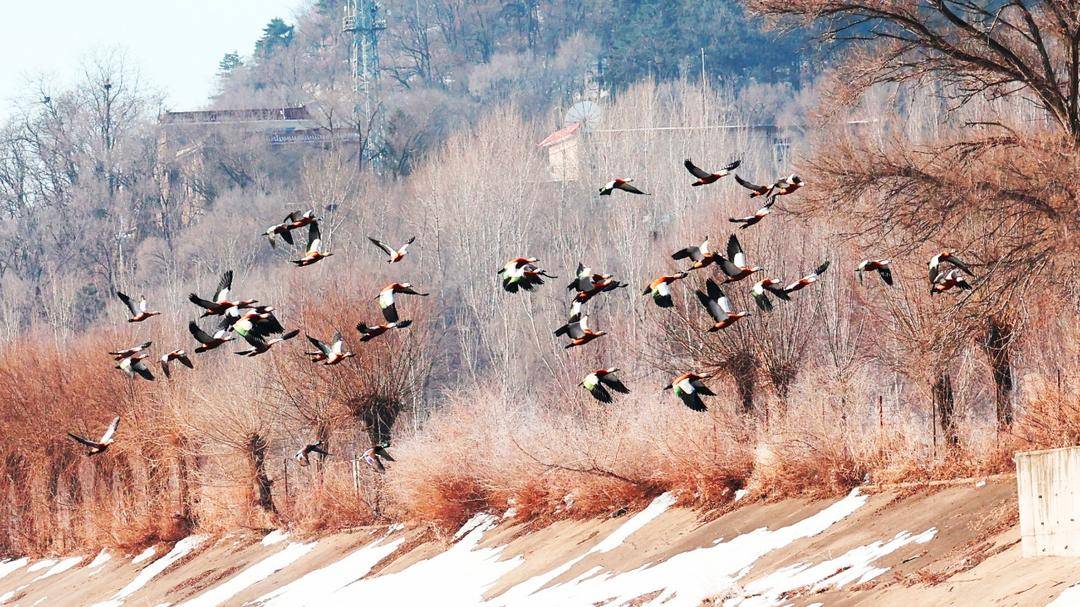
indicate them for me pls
(560, 135)
(239, 115)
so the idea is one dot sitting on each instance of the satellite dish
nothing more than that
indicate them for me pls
(585, 112)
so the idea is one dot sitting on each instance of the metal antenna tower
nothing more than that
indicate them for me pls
(363, 21)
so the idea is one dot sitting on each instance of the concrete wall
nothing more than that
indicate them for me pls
(1048, 484)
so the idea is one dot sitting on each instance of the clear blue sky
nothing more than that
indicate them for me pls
(175, 46)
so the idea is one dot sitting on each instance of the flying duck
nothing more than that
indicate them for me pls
(375, 455)
(315, 447)
(314, 251)
(807, 280)
(368, 333)
(583, 297)
(139, 312)
(881, 266)
(771, 285)
(221, 302)
(386, 298)
(620, 184)
(599, 381)
(256, 328)
(949, 280)
(232, 315)
(757, 216)
(133, 365)
(585, 279)
(209, 342)
(292, 221)
(577, 329)
(394, 255)
(935, 265)
(177, 355)
(329, 354)
(699, 254)
(782, 187)
(734, 265)
(690, 387)
(704, 177)
(126, 352)
(718, 306)
(660, 289)
(101, 444)
(522, 273)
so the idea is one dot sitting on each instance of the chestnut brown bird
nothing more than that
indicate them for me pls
(719, 306)
(126, 352)
(314, 252)
(386, 298)
(101, 444)
(601, 382)
(937, 264)
(770, 285)
(393, 255)
(368, 333)
(705, 177)
(881, 266)
(208, 342)
(951, 279)
(139, 312)
(329, 354)
(577, 329)
(221, 302)
(179, 356)
(782, 187)
(699, 254)
(660, 289)
(620, 184)
(133, 365)
(758, 215)
(735, 266)
(522, 273)
(690, 387)
(292, 221)
(807, 280)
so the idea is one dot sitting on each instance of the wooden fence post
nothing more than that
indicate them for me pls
(286, 475)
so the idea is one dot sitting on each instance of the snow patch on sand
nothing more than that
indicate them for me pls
(523, 590)
(1068, 598)
(684, 579)
(145, 554)
(60, 567)
(639, 520)
(95, 565)
(274, 537)
(328, 580)
(8, 566)
(854, 566)
(457, 576)
(42, 564)
(179, 551)
(10, 593)
(250, 576)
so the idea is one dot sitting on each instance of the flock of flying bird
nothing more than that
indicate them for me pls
(261, 330)
(523, 273)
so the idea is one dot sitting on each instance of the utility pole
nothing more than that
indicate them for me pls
(363, 21)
